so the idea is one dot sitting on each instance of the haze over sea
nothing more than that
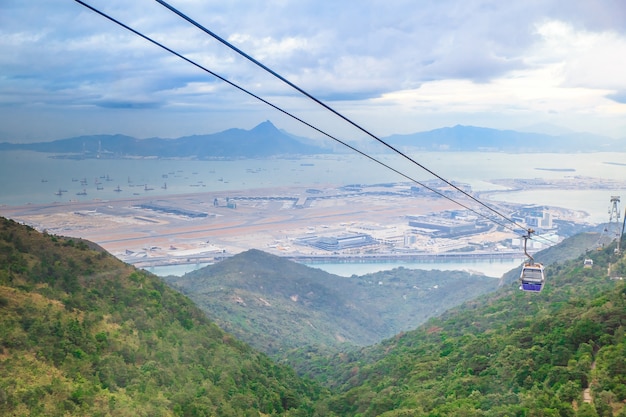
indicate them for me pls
(30, 177)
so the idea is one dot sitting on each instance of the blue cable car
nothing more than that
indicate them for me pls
(532, 278)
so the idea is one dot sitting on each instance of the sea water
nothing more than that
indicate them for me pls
(38, 178)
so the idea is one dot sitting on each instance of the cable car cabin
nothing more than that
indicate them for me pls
(532, 277)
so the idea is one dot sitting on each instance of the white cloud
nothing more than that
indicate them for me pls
(570, 75)
(473, 61)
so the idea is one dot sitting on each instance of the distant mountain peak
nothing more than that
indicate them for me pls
(267, 123)
(472, 138)
(265, 127)
(264, 140)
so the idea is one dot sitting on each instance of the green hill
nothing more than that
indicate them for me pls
(571, 248)
(84, 334)
(81, 333)
(505, 354)
(277, 305)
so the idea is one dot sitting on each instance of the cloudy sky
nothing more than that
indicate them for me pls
(392, 66)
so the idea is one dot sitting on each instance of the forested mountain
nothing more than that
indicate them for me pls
(280, 307)
(82, 334)
(277, 305)
(558, 353)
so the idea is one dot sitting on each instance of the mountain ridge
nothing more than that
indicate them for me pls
(276, 304)
(265, 140)
(472, 138)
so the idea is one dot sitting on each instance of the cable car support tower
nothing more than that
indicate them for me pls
(613, 228)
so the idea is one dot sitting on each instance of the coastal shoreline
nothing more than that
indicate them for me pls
(208, 226)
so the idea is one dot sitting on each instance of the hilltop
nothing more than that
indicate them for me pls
(277, 305)
(280, 307)
(81, 333)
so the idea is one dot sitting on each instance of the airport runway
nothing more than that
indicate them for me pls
(267, 219)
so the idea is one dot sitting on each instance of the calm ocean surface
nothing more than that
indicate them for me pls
(30, 177)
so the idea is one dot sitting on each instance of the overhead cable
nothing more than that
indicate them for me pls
(327, 107)
(190, 61)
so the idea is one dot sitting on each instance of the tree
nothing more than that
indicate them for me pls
(586, 410)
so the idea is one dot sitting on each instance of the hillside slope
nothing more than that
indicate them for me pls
(505, 354)
(83, 334)
(277, 305)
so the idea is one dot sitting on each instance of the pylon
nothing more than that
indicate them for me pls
(613, 228)
(611, 231)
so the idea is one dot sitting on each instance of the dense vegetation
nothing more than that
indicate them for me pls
(508, 354)
(83, 334)
(277, 305)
